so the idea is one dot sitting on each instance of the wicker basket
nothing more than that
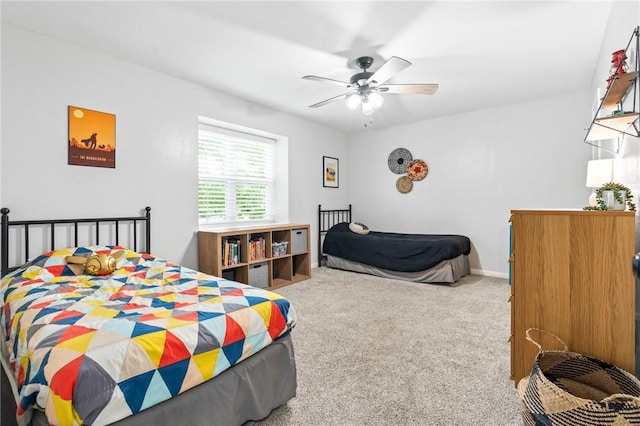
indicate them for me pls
(568, 388)
(279, 248)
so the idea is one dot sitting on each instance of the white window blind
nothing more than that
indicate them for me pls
(235, 176)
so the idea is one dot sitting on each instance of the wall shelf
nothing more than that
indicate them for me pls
(623, 88)
(614, 126)
(619, 88)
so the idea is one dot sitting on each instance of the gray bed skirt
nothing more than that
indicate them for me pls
(447, 271)
(249, 390)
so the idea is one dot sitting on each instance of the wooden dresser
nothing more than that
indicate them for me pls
(571, 274)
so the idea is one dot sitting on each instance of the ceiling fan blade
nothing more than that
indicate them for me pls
(390, 68)
(422, 89)
(327, 80)
(326, 101)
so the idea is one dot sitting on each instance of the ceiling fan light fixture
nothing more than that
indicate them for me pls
(353, 100)
(367, 107)
(376, 100)
(365, 86)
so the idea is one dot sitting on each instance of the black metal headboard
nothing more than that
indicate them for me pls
(326, 219)
(6, 223)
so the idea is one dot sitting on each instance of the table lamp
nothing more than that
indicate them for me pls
(599, 172)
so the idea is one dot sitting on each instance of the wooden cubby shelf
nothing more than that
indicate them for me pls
(251, 256)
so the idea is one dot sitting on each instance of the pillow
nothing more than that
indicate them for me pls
(55, 264)
(99, 264)
(103, 264)
(359, 228)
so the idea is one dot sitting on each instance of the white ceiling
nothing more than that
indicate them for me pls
(482, 53)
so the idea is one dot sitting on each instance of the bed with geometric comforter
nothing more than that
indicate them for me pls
(96, 349)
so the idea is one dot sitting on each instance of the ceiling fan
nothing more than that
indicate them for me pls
(366, 86)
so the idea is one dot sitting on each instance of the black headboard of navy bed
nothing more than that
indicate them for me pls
(46, 231)
(326, 219)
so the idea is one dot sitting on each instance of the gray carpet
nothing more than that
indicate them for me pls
(374, 351)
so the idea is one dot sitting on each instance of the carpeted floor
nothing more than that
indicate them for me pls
(374, 351)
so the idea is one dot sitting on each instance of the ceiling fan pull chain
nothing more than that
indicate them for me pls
(368, 119)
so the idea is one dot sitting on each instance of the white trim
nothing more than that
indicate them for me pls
(490, 273)
(280, 189)
(236, 128)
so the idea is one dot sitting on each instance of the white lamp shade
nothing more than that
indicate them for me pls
(353, 101)
(376, 100)
(599, 172)
(367, 108)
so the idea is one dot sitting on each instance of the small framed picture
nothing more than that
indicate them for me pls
(330, 172)
(92, 138)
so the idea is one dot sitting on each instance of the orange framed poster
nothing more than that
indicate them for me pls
(92, 138)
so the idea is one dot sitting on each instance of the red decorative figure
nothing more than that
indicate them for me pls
(618, 65)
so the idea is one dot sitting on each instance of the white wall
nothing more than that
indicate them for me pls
(1, 60)
(481, 165)
(156, 136)
(484, 164)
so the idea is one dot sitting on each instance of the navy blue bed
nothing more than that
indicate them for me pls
(432, 258)
(398, 252)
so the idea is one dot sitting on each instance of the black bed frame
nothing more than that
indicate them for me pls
(6, 223)
(326, 219)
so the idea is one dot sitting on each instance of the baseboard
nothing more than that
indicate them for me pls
(490, 273)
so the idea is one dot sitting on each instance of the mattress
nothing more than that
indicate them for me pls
(394, 251)
(95, 350)
(447, 271)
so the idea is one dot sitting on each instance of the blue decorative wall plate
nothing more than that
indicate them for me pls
(398, 160)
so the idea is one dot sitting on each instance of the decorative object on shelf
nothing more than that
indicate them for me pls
(613, 196)
(330, 177)
(279, 248)
(398, 160)
(404, 184)
(417, 170)
(618, 65)
(599, 172)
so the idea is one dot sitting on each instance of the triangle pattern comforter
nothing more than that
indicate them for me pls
(94, 350)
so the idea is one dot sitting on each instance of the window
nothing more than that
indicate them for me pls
(235, 176)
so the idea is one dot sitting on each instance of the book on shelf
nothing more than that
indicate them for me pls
(257, 248)
(230, 252)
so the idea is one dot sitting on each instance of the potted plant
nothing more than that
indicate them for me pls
(613, 196)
